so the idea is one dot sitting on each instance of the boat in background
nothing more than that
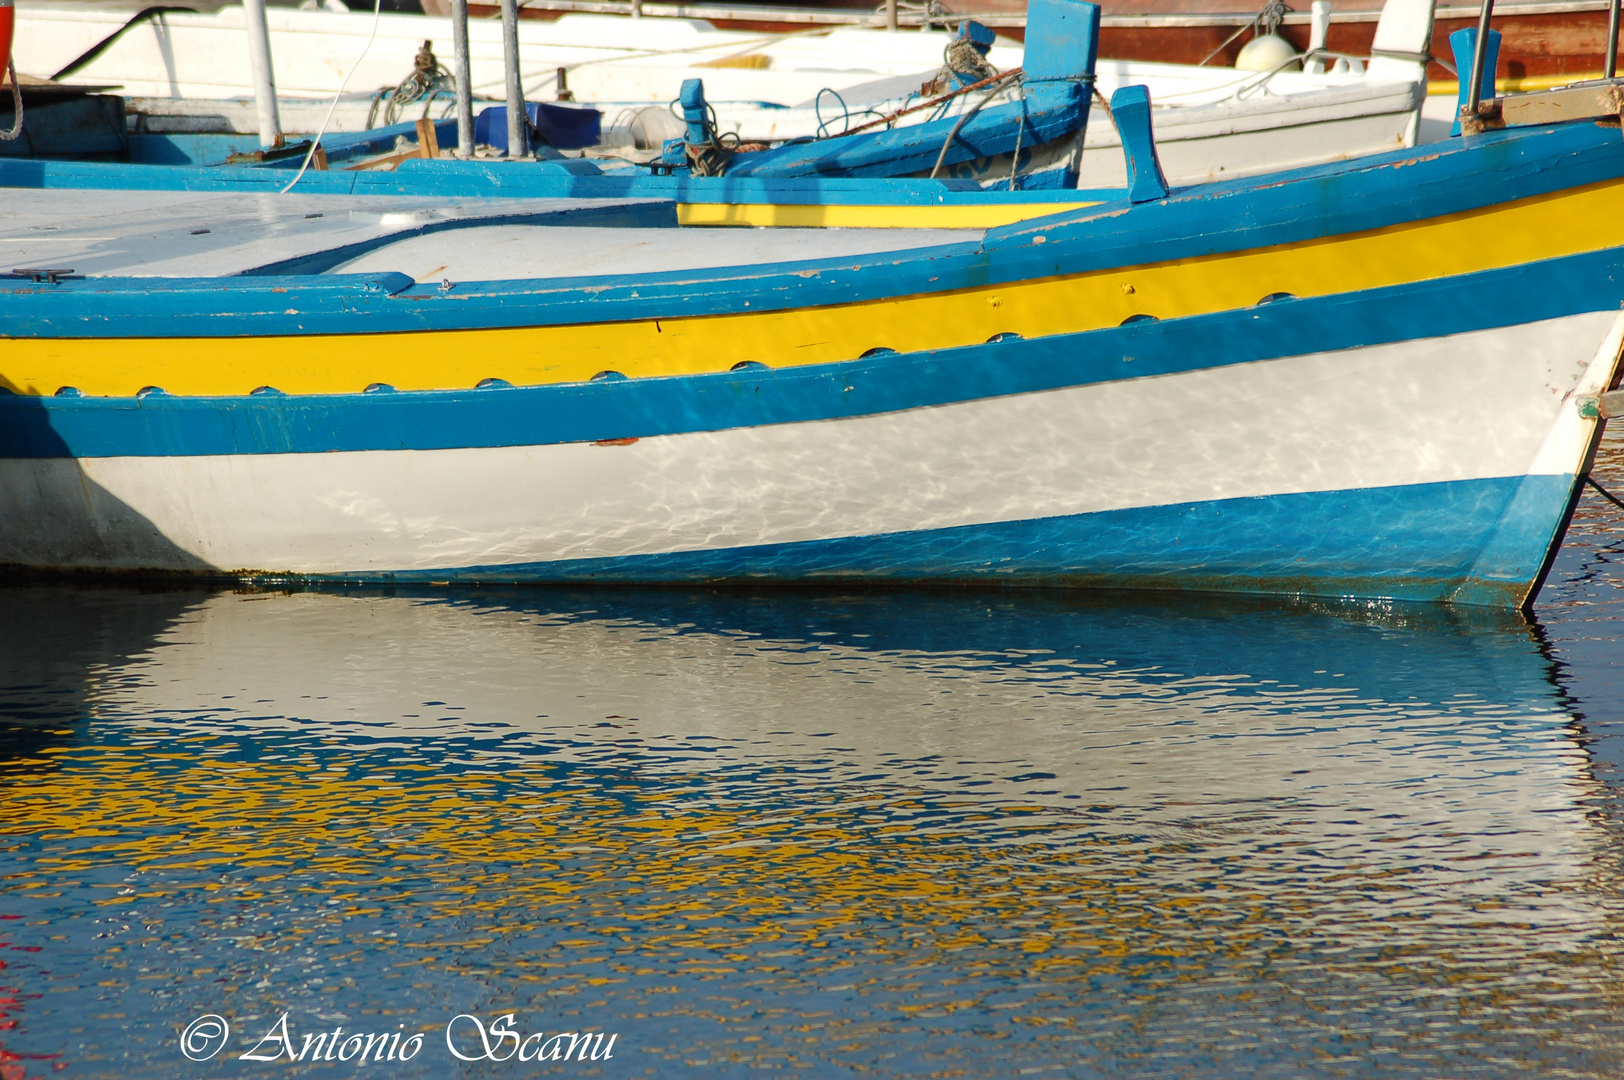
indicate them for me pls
(158, 56)
(1553, 39)
(1564, 39)
(1549, 40)
(1049, 109)
(1211, 122)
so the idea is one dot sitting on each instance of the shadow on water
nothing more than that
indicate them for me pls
(56, 638)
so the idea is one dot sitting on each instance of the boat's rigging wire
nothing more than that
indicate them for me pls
(964, 118)
(377, 10)
(105, 43)
(1271, 14)
(1015, 160)
(890, 118)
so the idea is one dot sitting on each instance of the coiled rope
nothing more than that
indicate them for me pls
(428, 80)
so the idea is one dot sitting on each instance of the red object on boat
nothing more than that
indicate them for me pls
(8, 16)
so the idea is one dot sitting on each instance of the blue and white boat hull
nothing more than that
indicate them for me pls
(1433, 467)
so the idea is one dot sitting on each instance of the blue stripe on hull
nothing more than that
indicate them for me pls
(1475, 542)
(162, 426)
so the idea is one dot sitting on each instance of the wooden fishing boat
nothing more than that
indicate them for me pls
(1333, 381)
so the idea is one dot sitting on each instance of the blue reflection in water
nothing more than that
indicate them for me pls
(906, 834)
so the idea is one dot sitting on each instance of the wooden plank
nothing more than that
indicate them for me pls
(1594, 101)
(428, 140)
(385, 162)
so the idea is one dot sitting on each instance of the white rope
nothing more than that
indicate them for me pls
(17, 102)
(377, 9)
(1015, 162)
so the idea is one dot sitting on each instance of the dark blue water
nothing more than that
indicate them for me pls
(899, 834)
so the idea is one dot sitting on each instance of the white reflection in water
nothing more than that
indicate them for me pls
(901, 832)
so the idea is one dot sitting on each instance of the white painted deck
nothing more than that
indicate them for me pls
(205, 234)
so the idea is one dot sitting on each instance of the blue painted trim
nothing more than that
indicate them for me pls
(1048, 111)
(1285, 208)
(639, 408)
(695, 115)
(1130, 108)
(449, 178)
(1062, 41)
(1417, 542)
(186, 150)
(1463, 43)
(201, 155)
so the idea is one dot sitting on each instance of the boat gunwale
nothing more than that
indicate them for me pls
(1394, 191)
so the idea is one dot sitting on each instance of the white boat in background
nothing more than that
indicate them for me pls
(189, 72)
(1210, 122)
(611, 60)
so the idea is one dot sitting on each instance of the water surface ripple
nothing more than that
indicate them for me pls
(907, 834)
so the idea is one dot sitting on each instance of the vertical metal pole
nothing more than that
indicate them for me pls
(637, 9)
(1610, 68)
(518, 143)
(259, 60)
(1474, 89)
(462, 71)
(1319, 31)
(890, 14)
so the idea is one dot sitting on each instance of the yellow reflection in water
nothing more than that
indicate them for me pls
(621, 875)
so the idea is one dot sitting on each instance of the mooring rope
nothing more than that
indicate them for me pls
(17, 100)
(1608, 495)
(890, 118)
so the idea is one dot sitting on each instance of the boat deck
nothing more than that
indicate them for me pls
(515, 252)
(210, 234)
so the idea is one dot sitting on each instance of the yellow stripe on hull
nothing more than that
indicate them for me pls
(1574, 221)
(1522, 85)
(987, 216)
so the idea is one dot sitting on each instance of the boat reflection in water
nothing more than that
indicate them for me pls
(904, 833)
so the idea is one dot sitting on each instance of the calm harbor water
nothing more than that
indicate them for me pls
(909, 834)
